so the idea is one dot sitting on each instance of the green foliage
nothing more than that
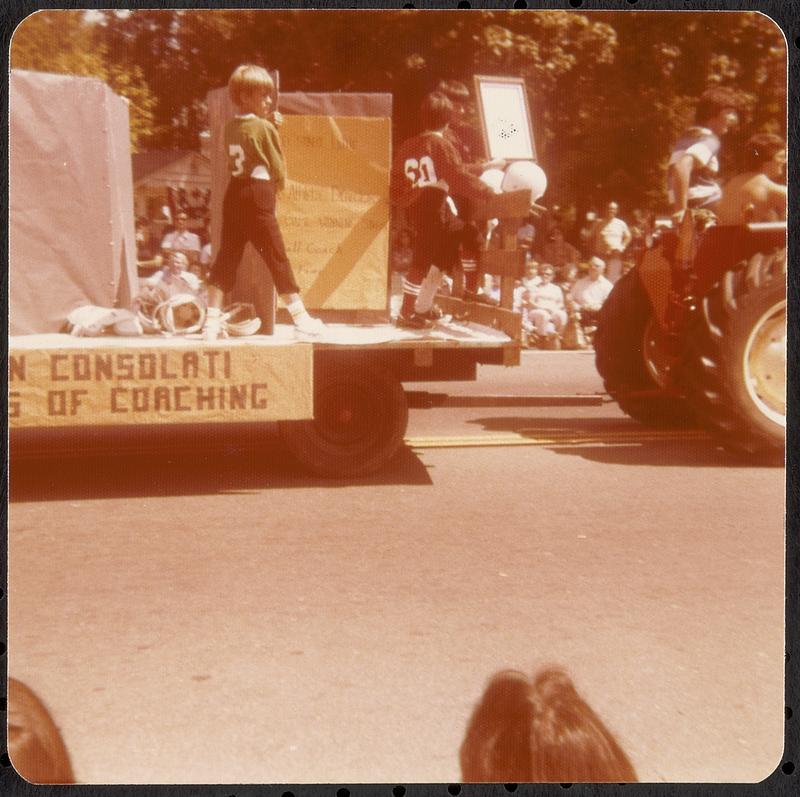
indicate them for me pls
(65, 42)
(609, 91)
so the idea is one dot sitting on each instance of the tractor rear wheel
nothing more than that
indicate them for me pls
(631, 357)
(736, 363)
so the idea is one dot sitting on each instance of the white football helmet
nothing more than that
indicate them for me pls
(181, 314)
(147, 303)
(91, 321)
(240, 319)
(525, 174)
(494, 179)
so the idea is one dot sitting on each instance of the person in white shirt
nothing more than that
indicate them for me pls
(174, 277)
(589, 293)
(612, 237)
(693, 171)
(532, 278)
(181, 239)
(548, 314)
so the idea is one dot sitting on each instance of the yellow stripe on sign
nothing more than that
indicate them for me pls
(619, 438)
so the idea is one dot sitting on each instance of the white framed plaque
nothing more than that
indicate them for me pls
(505, 117)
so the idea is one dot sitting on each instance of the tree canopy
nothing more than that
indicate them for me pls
(609, 91)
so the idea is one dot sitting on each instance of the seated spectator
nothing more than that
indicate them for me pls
(491, 288)
(522, 305)
(526, 235)
(176, 287)
(402, 252)
(566, 279)
(181, 239)
(760, 193)
(548, 314)
(532, 277)
(541, 732)
(588, 293)
(563, 256)
(35, 746)
(175, 277)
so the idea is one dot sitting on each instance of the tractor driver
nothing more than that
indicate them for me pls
(694, 164)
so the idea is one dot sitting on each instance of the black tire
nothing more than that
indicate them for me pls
(620, 359)
(733, 367)
(360, 419)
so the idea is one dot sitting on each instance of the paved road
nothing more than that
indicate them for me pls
(219, 616)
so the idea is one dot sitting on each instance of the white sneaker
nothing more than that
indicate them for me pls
(309, 326)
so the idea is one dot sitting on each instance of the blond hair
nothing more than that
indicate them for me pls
(247, 80)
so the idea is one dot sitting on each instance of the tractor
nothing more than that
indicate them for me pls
(695, 333)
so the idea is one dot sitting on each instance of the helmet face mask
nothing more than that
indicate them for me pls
(240, 319)
(182, 314)
(148, 302)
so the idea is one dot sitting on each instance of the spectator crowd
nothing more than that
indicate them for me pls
(568, 275)
(182, 226)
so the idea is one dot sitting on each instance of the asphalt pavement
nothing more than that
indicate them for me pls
(216, 615)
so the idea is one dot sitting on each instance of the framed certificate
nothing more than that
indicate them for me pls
(505, 117)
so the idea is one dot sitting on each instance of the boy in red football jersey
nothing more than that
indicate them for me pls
(426, 170)
(257, 172)
(468, 141)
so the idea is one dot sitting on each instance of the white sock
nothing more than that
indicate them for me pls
(212, 329)
(297, 310)
(428, 289)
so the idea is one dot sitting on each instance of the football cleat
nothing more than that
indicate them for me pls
(413, 321)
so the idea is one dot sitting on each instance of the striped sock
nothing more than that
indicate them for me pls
(410, 294)
(428, 289)
(470, 268)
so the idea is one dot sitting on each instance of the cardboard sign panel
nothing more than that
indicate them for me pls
(97, 385)
(71, 230)
(334, 212)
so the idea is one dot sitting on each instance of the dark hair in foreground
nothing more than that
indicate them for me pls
(35, 745)
(715, 100)
(540, 731)
(762, 148)
(436, 111)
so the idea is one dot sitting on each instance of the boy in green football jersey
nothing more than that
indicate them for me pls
(257, 172)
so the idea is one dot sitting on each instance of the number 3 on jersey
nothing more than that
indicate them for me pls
(421, 172)
(235, 160)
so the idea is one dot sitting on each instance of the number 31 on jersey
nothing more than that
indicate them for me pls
(421, 172)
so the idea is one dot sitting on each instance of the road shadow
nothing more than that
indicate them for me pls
(217, 466)
(668, 453)
(628, 442)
